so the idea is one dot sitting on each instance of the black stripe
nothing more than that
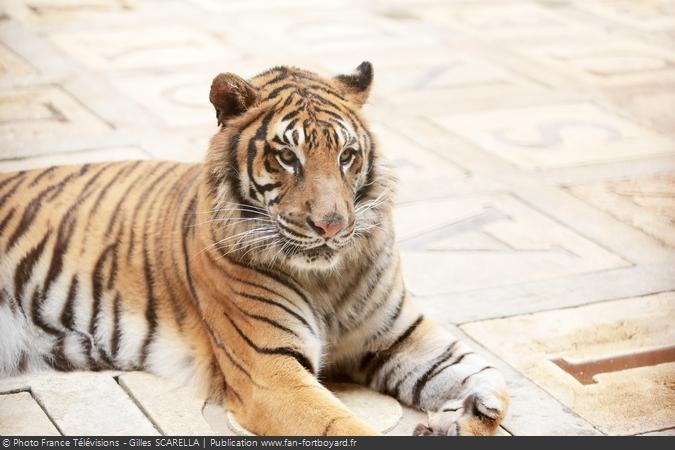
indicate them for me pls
(284, 351)
(19, 177)
(62, 184)
(276, 91)
(97, 287)
(64, 234)
(28, 216)
(281, 278)
(267, 320)
(259, 136)
(23, 362)
(289, 116)
(359, 277)
(58, 359)
(384, 379)
(283, 73)
(150, 311)
(41, 175)
(112, 274)
(232, 174)
(177, 194)
(386, 326)
(124, 196)
(143, 200)
(424, 379)
(453, 363)
(366, 190)
(6, 220)
(396, 391)
(25, 268)
(475, 373)
(325, 90)
(367, 298)
(372, 281)
(188, 223)
(36, 316)
(269, 167)
(222, 347)
(278, 305)
(259, 286)
(117, 327)
(91, 361)
(84, 191)
(67, 227)
(67, 317)
(373, 361)
(11, 178)
(34, 206)
(330, 424)
(126, 171)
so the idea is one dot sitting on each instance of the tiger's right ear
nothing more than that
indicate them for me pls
(356, 85)
(231, 96)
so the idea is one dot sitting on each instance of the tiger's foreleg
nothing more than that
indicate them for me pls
(422, 365)
(270, 384)
(292, 402)
(283, 398)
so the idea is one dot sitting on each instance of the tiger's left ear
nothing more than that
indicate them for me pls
(356, 85)
(231, 95)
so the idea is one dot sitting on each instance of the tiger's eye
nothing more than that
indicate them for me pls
(347, 156)
(287, 156)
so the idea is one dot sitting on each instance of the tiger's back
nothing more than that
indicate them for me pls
(89, 257)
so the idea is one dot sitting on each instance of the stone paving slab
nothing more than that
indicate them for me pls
(606, 62)
(157, 46)
(178, 98)
(44, 119)
(557, 135)
(173, 410)
(654, 108)
(565, 292)
(590, 359)
(11, 65)
(533, 411)
(469, 243)
(88, 404)
(646, 202)
(82, 403)
(21, 415)
(503, 20)
(647, 16)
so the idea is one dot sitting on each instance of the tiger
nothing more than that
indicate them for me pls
(253, 276)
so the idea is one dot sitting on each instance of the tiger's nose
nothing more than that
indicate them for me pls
(329, 225)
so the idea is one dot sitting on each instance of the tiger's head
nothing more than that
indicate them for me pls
(294, 172)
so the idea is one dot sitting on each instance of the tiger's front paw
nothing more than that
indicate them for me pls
(478, 415)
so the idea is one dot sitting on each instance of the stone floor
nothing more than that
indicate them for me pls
(535, 142)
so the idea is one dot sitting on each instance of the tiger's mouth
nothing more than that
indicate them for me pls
(320, 251)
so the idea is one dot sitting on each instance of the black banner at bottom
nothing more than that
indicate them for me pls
(313, 442)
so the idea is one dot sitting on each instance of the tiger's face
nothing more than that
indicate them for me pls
(300, 161)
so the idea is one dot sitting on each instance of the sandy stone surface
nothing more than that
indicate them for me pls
(21, 415)
(629, 401)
